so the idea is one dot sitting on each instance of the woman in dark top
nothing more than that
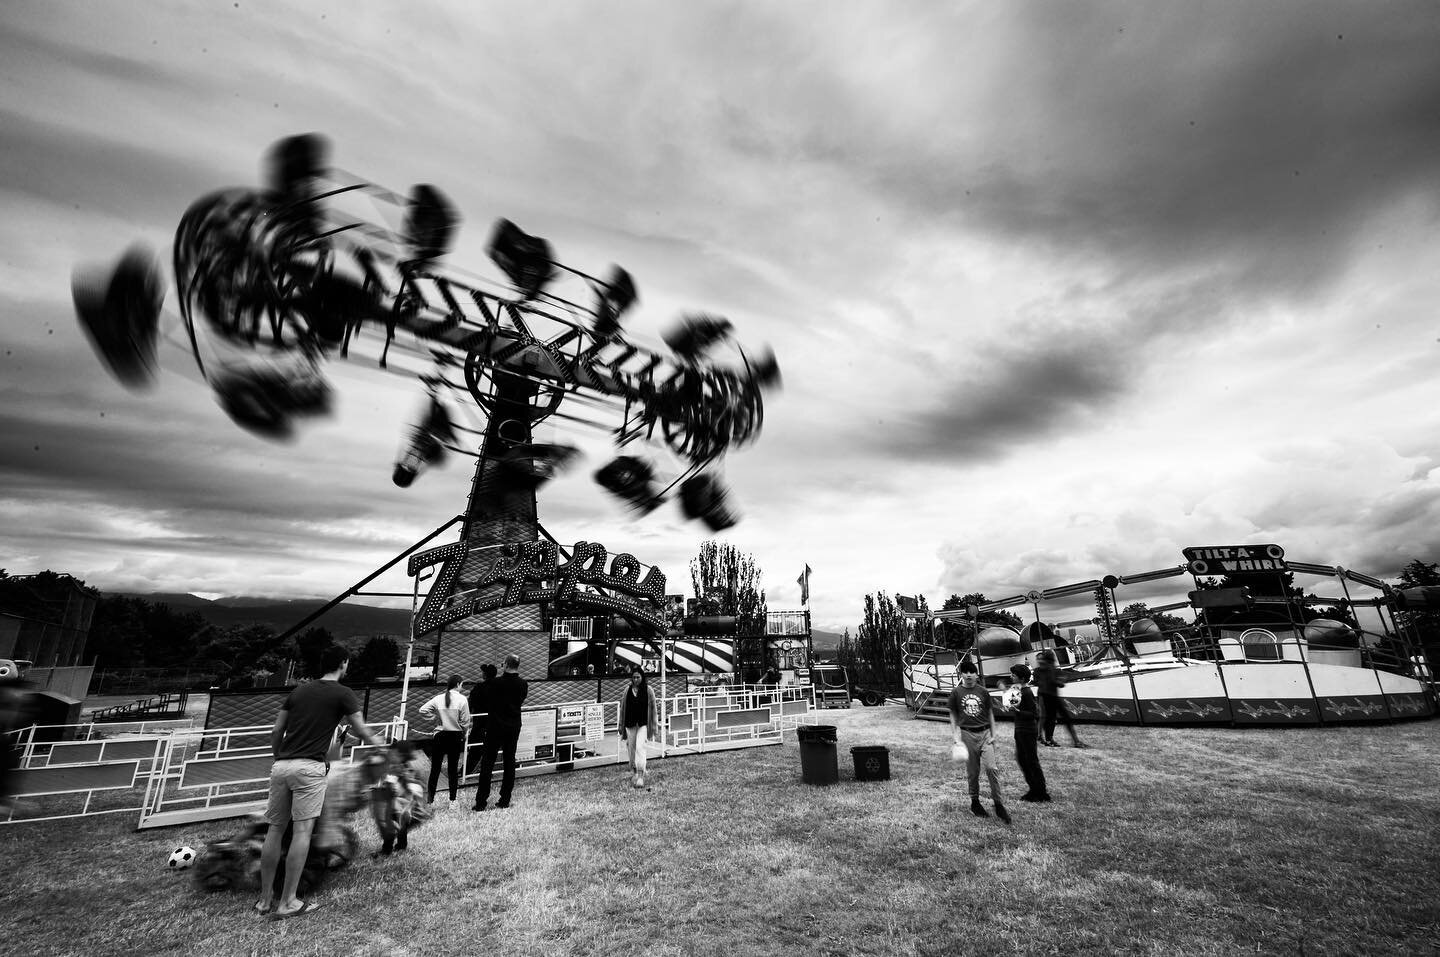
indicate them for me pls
(639, 718)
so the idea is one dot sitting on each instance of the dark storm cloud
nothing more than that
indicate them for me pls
(1206, 159)
(1044, 379)
(95, 171)
(1232, 134)
(1024, 395)
(22, 46)
(166, 462)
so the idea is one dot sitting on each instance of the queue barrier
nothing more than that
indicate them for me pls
(182, 774)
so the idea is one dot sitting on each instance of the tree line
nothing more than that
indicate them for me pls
(140, 645)
(156, 647)
(137, 635)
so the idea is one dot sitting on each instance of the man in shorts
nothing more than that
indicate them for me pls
(300, 741)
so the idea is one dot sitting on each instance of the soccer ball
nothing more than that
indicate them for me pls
(1011, 698)
(181, 858)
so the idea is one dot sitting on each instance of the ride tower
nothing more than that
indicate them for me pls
(274, 282)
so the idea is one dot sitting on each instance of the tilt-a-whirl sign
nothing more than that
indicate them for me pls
(535, 573)
(1235, 559)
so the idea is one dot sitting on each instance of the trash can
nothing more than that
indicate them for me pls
(872, 762)
(818, 764)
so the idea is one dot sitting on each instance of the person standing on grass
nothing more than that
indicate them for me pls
(972, 723)
(502, 733)
(451, 712)
(1048, 683)
(300, 741)
(1027, 750)
(479, 715)
(639, 719)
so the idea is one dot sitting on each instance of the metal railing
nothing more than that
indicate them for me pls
(184, 773)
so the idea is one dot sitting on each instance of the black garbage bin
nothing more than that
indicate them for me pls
(872, 762)
(818, 764)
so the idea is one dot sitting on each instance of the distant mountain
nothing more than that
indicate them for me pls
(173, 599)
(344, 621)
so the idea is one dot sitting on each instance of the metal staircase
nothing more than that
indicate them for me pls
(164, 705)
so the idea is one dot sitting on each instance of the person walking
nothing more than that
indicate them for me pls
(300, 741)
(1027, 738)
(451, 712)
(972, 723)
(639, 720)
(502, 733)
(1048, 683)
(479, 715)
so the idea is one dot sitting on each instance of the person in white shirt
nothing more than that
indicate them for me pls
(451, 713)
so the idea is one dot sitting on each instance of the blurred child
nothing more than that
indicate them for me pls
(397, 799)
(1027, 738)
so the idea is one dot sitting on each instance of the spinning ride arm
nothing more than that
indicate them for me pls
(270, 282)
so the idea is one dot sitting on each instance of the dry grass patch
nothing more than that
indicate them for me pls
(1161, 841)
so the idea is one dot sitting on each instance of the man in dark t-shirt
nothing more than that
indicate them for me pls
(300, 741)
(502, 733)
(972, 723)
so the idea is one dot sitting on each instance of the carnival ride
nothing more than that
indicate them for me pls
(273, 282)
(703, 648)
(1256, 650)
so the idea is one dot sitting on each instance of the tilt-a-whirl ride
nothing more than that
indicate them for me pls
(1245, 645)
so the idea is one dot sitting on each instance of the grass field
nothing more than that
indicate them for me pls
(1160, 841)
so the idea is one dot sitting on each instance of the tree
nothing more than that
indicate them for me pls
(309, 646)
(237, 651)
(117, 633)
(378, 659)
(1168, 623)
(881, 635)
(847, 654)
(132, 633)
(1425, 623)
(727, 582)
(958, 633)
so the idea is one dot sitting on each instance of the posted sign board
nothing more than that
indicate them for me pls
(537, 736)
(594, 722)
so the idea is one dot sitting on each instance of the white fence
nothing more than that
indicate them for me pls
(171, 773)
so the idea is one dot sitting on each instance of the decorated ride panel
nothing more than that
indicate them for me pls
(536, 572)
(1112, 710)
(1186, 710)
(682, 655)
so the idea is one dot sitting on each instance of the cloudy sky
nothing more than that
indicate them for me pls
(1057, 289)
